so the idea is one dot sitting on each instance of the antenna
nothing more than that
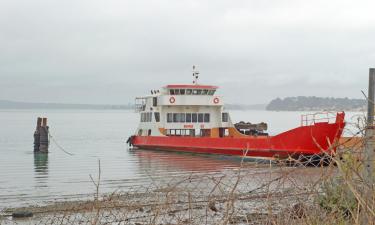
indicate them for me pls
(195, 75)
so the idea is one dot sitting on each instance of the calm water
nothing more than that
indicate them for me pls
(27, 178)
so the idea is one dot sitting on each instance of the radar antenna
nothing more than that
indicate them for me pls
(195, 75)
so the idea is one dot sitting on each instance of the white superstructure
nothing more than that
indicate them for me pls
(183, 110)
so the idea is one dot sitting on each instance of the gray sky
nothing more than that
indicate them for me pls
(88, 51)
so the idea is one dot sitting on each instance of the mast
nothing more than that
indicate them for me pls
(195, 75)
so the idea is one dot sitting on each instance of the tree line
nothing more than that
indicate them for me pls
(312, 103)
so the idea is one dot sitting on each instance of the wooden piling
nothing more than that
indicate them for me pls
(41, 136)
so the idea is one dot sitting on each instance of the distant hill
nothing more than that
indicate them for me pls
(313, 103)
(4, 104)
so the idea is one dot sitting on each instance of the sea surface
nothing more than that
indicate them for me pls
(89, 136)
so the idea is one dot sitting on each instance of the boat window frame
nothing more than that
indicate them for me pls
(199, 91)
(175, 119)
(189, 91)
(225, 117)
(157, 116)
(182, 117)
(188, 115)
(205, 92)
(154, 101)
(195, 92)
(211, 92)
(182, 91)
(194, 120)
(200, 117)
(169, 117)
(171, 91)
(206, 117)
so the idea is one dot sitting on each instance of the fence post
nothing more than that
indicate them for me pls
(368, 157)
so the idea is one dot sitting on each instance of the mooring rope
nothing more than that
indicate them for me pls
(59, 146)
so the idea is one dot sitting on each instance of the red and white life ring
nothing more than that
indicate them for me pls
(172, 100)
(216, 100)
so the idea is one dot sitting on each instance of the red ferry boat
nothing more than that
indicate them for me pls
(192, 118)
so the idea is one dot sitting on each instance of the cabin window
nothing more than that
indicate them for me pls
(200, 117)
(146, 117)
(177, 91)
(206, 117)
(169, 117)
(204, 92)
(195, 91)
(157, 116)
(171, 92)
(149, 132)
(194, 118)
(211, 92)
(175, 118)
(140, 132)
(182, 117)
(154, 101)
(224, 117)
(179, 117)
(199, 92)
(182, 91)
(189, 91)
(180, 132)
(188, 117)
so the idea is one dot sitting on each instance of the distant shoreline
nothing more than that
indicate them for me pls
(313, 103)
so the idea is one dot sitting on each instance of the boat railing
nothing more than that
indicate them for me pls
(319, 117)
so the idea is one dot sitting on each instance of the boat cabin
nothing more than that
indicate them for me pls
(192, 110)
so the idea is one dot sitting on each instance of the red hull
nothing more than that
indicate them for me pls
(304, 140)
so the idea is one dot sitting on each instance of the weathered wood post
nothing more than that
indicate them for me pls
(369, 135)
(37, 135)
(41, 136)
(368, 157)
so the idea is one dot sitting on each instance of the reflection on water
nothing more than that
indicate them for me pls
(40, 169)
(188, 162)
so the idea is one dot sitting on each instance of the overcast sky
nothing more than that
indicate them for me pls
(109, 51)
